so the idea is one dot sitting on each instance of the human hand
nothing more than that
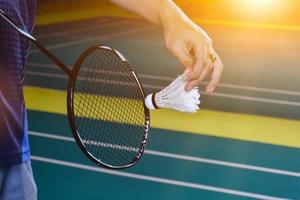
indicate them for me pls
(193, 48)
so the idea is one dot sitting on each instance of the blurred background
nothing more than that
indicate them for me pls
(243, 143)
(260, 11)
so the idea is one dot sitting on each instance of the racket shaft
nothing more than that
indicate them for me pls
(36, 43)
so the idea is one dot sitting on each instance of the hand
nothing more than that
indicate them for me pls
(193, 48)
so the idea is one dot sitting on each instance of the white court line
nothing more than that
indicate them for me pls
(255, 99)
(63, 76)
(112, 82)
(110, 72)
(81, 35)
(155, 179)
(57, 32)
(110, 145)
(258, 89)
(65, 44)
(81, 28)
(217, 94)
(165, 78)
(187, 158)
(50, 66)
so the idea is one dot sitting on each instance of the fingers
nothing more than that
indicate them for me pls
(183, 55)
(191, 84)
(216, 67)
(201, 68)
(216, 74)
(200, 61)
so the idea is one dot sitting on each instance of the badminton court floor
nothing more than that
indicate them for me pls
(243, 144)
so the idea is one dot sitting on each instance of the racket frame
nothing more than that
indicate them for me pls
(70, 108)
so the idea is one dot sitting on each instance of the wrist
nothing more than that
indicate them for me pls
(171, 15)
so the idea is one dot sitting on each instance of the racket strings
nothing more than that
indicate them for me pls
(108, 109)
(91, 100)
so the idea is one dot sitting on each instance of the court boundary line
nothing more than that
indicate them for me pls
(187, 158)
(255, 99)
(217, 94)
(155, 179)
(169, 78)
(101, 24)
(75, 42)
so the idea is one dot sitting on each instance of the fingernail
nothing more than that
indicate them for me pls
(187, 71)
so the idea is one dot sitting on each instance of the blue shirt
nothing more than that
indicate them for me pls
(14, 147)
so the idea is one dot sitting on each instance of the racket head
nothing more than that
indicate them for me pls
(106, 109)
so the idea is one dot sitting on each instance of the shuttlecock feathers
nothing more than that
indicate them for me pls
(175, 97)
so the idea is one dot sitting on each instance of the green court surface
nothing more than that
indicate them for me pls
(260, 84)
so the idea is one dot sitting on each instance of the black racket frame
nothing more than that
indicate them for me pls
(71, 116)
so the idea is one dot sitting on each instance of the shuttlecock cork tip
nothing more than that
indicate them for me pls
(149, 102)
(175, 97)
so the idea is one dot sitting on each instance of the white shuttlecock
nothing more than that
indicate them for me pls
(175, 97)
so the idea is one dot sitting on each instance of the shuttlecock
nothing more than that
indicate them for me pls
(175, 97)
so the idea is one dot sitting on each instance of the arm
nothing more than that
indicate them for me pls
(187, 41)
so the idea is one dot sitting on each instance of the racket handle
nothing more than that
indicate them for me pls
(150, 102)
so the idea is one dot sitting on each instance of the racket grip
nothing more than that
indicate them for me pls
(150, 102)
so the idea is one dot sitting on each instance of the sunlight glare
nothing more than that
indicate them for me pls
(260, 3)
(259, 8)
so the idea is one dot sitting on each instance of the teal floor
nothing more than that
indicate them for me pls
(197, 159)
(176, 165)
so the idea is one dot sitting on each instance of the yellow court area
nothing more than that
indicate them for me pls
(228, 125)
